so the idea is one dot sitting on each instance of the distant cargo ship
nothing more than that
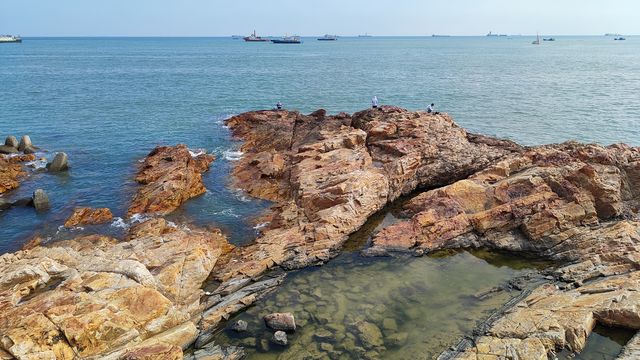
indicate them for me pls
(287, 40)
(10, 39)
(364, 36)
(612, 34)
(254, 38)
(328, 38)
(491, 34)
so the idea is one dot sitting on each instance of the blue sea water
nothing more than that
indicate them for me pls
(108, 101)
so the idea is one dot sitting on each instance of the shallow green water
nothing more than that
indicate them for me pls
(391, 308)
(605, 343)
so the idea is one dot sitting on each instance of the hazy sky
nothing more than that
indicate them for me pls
(345, 17)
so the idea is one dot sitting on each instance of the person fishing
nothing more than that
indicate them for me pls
(374, 102)
(279, 105)
(431, 108)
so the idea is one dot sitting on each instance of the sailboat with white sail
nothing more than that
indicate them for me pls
(537, 40)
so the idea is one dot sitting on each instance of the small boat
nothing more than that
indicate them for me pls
(10, 39)
(254, 38)
(287, 40)
(536, 41)
(620, 38)
(548, 39)
(328, 38)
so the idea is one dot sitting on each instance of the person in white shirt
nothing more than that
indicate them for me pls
(279, 105)
(374, 102)
(431, 108)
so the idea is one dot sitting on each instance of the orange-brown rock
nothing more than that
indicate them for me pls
(95, 297)
(88, 216)
(328, 174)
(169, 176)
(10, 173)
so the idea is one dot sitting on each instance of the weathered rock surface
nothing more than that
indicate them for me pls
(59, 163)
(169, 176)
(40, 200)
(10, 173)
(572, 203)
(25, 142)
(280, 338)
(94, 297)
(88, 216)
(11, 141)
(328, 174)
(280, 321)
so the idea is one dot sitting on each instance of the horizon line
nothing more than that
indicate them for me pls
(312, 35)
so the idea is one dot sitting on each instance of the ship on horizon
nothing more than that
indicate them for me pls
(255, 38)
(287, 40)
(366, 35)
(328, 38)
(10, 39)
(491, 34)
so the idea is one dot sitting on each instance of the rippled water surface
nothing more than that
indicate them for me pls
(108, 102)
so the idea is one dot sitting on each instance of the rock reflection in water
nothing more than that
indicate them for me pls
(391, 308)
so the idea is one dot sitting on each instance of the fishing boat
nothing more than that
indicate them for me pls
(328, 38)
(620, 38)
(254, 38)
(548, 39)
(287, 40)
(10, 39)
(537, 40)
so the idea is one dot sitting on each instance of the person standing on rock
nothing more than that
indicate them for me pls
(431, 108)
(374, 102)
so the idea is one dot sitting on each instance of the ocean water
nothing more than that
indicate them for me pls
(108, 101)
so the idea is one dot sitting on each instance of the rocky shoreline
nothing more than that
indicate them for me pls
(144, 298)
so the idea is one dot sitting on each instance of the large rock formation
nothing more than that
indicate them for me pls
(328, 174)
(94, 297)
(11, 171)
(88, 216)
(169, 176)
(565, 202)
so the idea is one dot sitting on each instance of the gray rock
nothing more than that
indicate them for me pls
(23, 202)
(280, 338)
(60, 163)
(239, 326)
(29, 150)
(11, 141)
(4, 149)
(5, 204)
(25, 142)
(40, 200)
(280, 321)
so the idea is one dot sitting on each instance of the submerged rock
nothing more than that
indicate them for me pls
(60, 163)
(40, 200)
(280, 321)
(280, 338)
(239, 326)
(169, 176)
(88, 216)
(369, 334)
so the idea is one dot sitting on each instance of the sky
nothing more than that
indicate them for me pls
(342, 17)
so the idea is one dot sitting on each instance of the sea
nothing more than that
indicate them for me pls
(107, 102)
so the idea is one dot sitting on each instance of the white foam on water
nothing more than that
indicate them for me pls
(139, 218)
(120, 223)
(233, 155)
(227, 212)
(261, 226)
(197, 152)
(38, 164)
(241, 195)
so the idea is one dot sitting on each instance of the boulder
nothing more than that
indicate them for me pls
(88, 216)
(280, 338)
(5, 204)
(25, 142)
(29, 150)
(4, 149)
(168, 177)
(11, 141)
(40, 200)
(280, 321)
(60, 163)
(239, 326)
